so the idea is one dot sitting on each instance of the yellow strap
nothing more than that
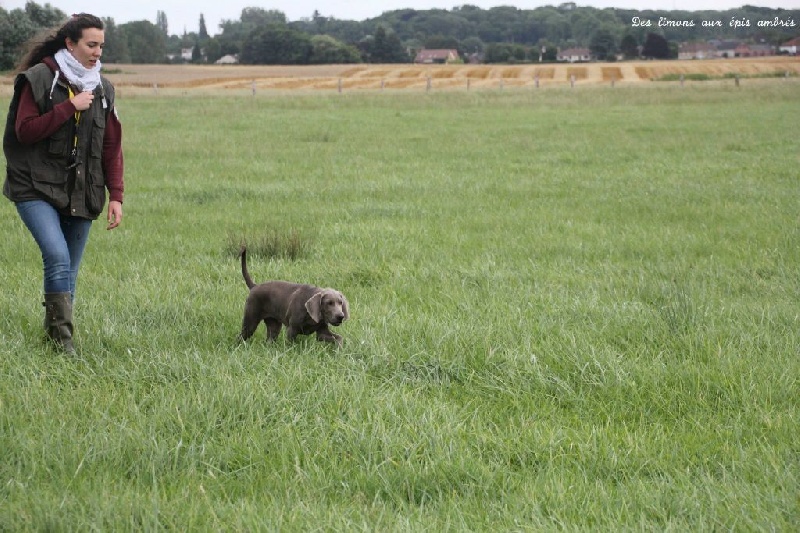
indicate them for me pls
(77, 118)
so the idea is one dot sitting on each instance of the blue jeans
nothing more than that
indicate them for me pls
(61, 239)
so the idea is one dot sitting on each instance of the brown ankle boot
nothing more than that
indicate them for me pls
(58, 320)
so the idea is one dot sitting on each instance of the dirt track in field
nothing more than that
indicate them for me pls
(406, 76)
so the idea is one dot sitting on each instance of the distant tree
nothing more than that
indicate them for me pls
(346, 31)
(146, 42)
(115, 49)
(584, 24)
(319, 22)
(496, 53)
(213, 50)
(202, 32)
(254, 17)
(603, 43)
(276, 44)
(18, 26)
(44, 16)
(161, 22)
(15, 29)
(550, 50)
(327, 50)
(674, 49)
(504, 53)
(555, 25)
(441, 42)
(501, 24)
(235, 32)
(655, 47)
(472, 45)
(197, 53)
(386, 47)
(629, 46)
(433, 23)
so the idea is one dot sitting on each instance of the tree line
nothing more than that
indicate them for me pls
(496, 35)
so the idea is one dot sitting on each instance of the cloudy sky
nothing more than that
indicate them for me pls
(186, 15)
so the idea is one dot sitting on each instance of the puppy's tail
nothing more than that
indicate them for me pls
(245, 273)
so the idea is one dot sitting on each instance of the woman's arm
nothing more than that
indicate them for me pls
(30, 126)
(113, 167)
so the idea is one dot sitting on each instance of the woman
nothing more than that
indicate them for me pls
(63, 149)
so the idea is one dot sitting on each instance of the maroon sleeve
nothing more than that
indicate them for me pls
(113, 167)
(30, 126)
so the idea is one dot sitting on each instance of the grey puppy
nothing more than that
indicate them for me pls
(303, 309)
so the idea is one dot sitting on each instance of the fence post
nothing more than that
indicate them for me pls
(737, 79)
(572, 80)
(428, 84)
(339, 87)
(254, 87)
(681, 80)
(536, 80)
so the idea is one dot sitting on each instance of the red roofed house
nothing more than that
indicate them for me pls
(791, 47)
(753, 50)
(696, 51)
(437, 56)
(573, 55)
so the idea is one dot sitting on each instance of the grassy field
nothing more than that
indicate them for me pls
(573, 309)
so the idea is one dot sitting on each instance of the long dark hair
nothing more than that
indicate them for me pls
(54, 39)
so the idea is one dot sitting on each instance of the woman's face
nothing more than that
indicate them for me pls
(89, 48)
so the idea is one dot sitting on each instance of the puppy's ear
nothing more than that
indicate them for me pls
(345, 307)
(314, 307)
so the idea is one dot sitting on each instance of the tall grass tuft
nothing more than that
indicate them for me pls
(272, 244)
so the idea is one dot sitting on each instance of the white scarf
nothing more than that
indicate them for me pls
(77, 75)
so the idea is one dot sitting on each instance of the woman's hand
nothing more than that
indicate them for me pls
(82, 101)
(114, 214)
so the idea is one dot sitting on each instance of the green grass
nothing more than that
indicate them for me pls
(571, 309)
(692, 76)
(700, 76)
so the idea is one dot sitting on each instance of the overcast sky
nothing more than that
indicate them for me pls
(186, 15)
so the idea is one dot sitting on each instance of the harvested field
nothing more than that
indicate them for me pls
(611, 73)
(212, 78)
(578, 73)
